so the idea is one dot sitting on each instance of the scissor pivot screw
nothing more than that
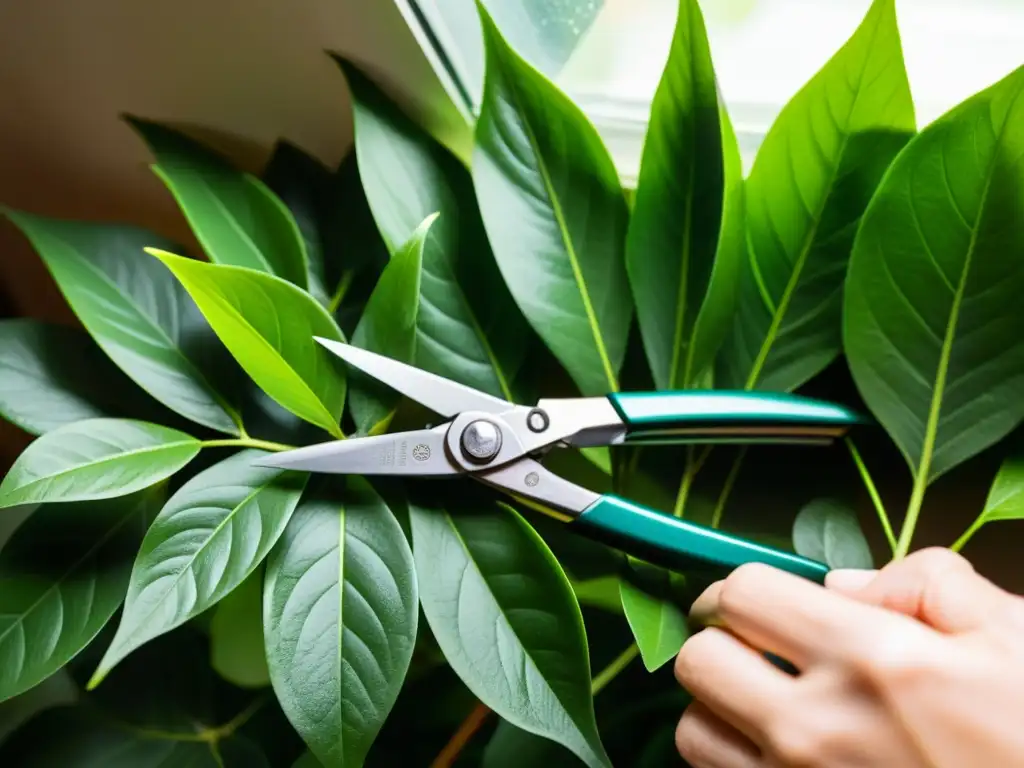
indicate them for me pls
(481, 441)
(537, 420)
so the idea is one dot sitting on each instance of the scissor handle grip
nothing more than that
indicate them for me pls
(679, 545)
(724, 415)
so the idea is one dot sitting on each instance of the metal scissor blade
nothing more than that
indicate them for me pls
(419, 452)
(437, 393)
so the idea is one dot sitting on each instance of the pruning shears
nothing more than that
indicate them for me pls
(501, 444)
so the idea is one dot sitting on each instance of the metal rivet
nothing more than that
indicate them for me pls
(537, 420)
(481, 441)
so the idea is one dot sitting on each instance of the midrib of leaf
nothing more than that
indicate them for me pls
(570, 249)
(499, 374)
(501, 608)
(20, 617)
(105, 459)
(935, 407)
(97, 677)
(301, 384)
(103, 277)
(684, 278)
(340, 745)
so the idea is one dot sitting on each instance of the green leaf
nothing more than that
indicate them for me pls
(810, 183)
(599, 592)
(511, 747)
(1005, 499)
(340, 619)
(209, 537)
(63, 574)
(555, 215)
(388, 327)
(77, 737)
(674, 228)
(96, 459)
(236, 219)
(236, 635)
(269, 325)
(469, 328)
(136, 312)
(659, 626)
(826, 530)
(304, 186)
(487, 582)
(53, 375)
(932, 322)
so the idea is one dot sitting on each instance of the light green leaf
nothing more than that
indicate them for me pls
(269, 325)
(677, 214)
(53, 375)
(236, 635)
(659, 626)
(826, 530)
(599, 592)
(1005, 499)
(555, 215)
(487, 582)
(235, 217)
(137, 313)
(340, 619)
(388, 327)
(304, 186)
(96, 459)
(932, 322)
(810, 183)
(209, 537)
(63, 574)
(469, 328)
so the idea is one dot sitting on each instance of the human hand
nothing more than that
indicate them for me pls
(918, 664)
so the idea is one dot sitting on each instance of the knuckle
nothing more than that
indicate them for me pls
(938, 561)
(741, 587)
(894, 658)
(792, 744)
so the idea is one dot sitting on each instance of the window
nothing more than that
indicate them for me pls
(608, 54)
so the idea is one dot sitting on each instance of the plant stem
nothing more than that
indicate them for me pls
(246, 442)
(693, 466)
(340, 291)
(232, 725)
(730, 480)
(910, 521)
(876, 499)
(461, 737)
(609, 673)
(959, 544)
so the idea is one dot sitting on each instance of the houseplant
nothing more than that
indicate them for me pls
(208, 612)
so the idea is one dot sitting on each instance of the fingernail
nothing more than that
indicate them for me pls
(849, 579)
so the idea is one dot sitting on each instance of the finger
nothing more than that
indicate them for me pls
(733, 680)
(705, 740)
(938, 587)
(785, 615)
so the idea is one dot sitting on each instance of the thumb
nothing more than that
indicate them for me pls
(936, 586)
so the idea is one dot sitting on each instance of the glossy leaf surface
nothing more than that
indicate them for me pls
(505, 616)
(269, 325)
(53, 375)
(555, 215)
(469, 328)
(136, 311)
(96, 459)
(234, 216)
(209, 537)
(659, 626)
(236, 635)
(388, 327)
(674, 227)
(63, 574)
(1005, 500)
(809, 185)
(340, 619)
(827, 531)
(932, 322)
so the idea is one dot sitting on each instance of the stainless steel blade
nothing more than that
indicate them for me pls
(445, 397)
(419, 452)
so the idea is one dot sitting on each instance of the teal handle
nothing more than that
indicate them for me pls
(723, 415)
(679, 545)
